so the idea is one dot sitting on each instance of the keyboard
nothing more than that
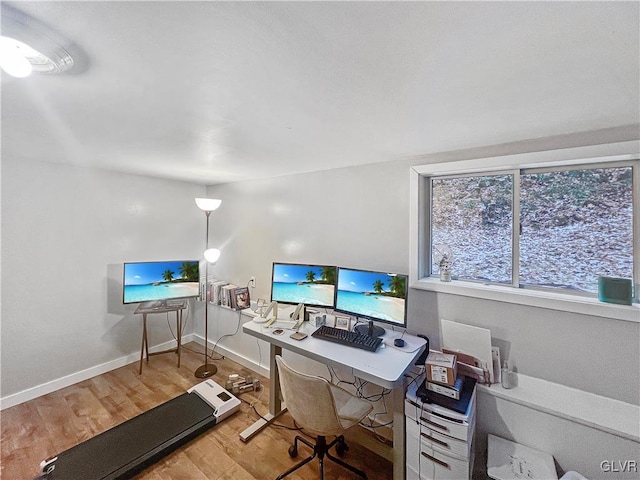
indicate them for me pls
(345, 337)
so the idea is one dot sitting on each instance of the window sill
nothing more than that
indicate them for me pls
(595, 411)
(532, 298)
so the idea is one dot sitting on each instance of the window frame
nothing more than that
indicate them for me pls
(606, 155)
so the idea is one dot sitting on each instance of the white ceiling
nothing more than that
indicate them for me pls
(213, 92)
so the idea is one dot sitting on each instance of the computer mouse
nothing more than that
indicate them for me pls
(398, 342)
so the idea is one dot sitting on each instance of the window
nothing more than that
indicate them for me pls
(575, 226)
(473, 216)
(553, 225)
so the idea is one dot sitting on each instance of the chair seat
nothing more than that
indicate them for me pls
(350, 409)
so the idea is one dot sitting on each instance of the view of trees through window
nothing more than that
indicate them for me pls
(473, 215)
(575, 225)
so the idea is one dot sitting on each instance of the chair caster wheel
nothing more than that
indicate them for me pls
(341, 448)
(293, 451)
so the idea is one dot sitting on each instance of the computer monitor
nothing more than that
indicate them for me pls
(313, 285)
(370, 295)
(160, 281)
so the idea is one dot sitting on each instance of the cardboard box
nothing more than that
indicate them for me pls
(441, 368)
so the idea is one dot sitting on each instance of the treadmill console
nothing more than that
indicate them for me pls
(223, 403)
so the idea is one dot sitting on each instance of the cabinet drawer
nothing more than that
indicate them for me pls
(435, 465)
(432, 439)
(440, 423)
(451, 428)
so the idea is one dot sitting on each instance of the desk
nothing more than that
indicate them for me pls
(171, 307)
(385, 367)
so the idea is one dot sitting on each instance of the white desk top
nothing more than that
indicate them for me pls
(384, 367)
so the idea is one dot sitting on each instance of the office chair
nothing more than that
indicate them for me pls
(322, 409)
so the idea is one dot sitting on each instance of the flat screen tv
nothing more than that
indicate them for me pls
(313, 285)
(146, 282)
(371, 296)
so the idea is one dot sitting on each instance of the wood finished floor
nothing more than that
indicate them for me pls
(40, 428)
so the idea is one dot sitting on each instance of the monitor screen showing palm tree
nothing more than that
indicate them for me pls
(149, 281)
(313, 285)
(372, 295)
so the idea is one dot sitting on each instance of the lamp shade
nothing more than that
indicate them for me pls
(208, 204)
(212, 255)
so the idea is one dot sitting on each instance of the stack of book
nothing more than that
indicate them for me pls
(228, 295)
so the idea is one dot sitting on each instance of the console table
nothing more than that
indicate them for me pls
(144, 310)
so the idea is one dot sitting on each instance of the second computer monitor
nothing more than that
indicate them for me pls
(313, 285)
(369, 295)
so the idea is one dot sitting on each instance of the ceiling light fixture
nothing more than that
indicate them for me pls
(26, 47)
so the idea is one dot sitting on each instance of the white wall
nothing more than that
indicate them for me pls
(65, 233)
(359, 217)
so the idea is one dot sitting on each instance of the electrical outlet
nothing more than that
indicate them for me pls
(252, 282)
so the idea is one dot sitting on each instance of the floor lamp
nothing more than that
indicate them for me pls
(211, 256)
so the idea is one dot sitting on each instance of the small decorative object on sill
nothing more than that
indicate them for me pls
(443, 256)
(615, 290)
(506, 376)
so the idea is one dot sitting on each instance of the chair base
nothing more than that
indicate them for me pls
(320, 450)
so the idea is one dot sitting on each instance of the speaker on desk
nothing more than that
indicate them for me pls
(615, 290)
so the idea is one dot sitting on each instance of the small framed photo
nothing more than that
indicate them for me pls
(342, 322)
(241, 298)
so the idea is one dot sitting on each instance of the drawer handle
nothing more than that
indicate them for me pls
(436, 440)
(434, 459)
(442, 427)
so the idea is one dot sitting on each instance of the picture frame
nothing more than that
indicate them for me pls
(241, 298)
(342, 322)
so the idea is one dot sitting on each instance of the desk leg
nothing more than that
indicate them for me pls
(275, 398)
(275, 394)
(398, 434)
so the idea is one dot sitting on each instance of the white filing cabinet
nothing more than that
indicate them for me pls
(439, 440)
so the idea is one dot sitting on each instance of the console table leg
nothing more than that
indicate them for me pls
(144, 341)
(179, 334)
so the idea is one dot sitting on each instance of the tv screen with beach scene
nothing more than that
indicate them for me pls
(313, 285)
(372, 295)
(160, 281)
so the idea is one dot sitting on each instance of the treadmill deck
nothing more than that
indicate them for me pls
(126, 449)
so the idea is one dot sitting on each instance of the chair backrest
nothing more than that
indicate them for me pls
(309, 400)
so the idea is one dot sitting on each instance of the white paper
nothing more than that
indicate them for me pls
(474, 341)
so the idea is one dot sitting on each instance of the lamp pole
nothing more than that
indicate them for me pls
(207, 369)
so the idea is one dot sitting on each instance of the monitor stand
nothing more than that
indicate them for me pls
(369, 329)
(154, 304)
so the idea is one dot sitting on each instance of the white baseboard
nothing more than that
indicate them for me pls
(68, 380)
(57, 384)
(235, 356)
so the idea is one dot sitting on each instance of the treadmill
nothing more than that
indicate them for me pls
(126, 449)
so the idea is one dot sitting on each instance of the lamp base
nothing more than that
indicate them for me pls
(206, 370)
